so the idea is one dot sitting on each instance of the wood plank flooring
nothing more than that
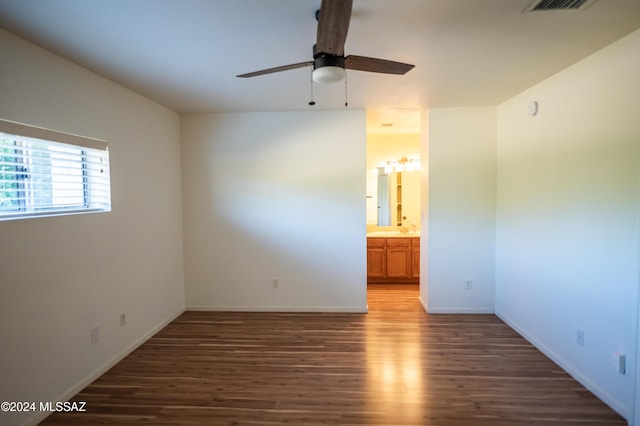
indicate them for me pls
(394, 366)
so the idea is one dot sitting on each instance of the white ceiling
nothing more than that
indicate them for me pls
(185, 53)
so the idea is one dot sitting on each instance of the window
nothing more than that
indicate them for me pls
(44, 172)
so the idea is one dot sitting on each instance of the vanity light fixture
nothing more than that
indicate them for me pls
(402, 165)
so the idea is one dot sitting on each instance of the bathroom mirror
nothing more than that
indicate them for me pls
(393, 174)
(393, 199)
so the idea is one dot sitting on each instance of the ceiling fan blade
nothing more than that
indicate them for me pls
(363, 63)
(333, 25)
(276, 69)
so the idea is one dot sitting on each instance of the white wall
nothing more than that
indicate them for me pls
(461, 210)
(424, 209)
(568, 217)
(60, 276)
(275, 195)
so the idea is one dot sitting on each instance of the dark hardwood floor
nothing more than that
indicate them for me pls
(394, 366)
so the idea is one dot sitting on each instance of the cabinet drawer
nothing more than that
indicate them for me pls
(415, 242)
(398, 242)
(375, 242)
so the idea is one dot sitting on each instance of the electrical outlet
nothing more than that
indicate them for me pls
(468, 285)
(580, 338)
(95, 335)
(123, 319)
(275, 283)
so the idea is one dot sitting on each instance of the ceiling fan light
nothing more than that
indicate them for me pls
(328, 74)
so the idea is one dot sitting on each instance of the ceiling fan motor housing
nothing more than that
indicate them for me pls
(322, 59)
(327, 60)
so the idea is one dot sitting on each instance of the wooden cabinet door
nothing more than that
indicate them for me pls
(398, 263)
(376, 263)
(415, 262)
(398, 258)
(376, 258)
(415, 258)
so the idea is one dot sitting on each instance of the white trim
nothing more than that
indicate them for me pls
(71, 392)
(634, 418)
(51, 213)
(276, 309)
(21, 129)
(423, 304)
(486, 310)
(427, 309)
(567, 367)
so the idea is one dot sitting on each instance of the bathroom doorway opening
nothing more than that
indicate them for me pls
(393, 196)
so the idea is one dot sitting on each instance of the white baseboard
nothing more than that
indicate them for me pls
(487, 310)
(566, 366)
(276, 309)
(423, 304)
(70, 393)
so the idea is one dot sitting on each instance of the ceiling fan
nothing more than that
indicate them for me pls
(329, 61)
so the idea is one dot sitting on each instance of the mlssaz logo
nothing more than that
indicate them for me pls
(64, 406)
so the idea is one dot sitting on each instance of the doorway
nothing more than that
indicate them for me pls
(394, 170)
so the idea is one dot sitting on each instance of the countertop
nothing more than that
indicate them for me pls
(393, 234)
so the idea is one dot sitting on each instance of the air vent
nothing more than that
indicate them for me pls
(542, 5)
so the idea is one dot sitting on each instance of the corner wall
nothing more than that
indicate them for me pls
(424, 210)
(461, 210)
(275, 195)
(61, 276)
(568, 218)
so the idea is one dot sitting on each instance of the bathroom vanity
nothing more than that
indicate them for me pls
(393, 257)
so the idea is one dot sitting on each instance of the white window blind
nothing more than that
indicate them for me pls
(44, 172)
